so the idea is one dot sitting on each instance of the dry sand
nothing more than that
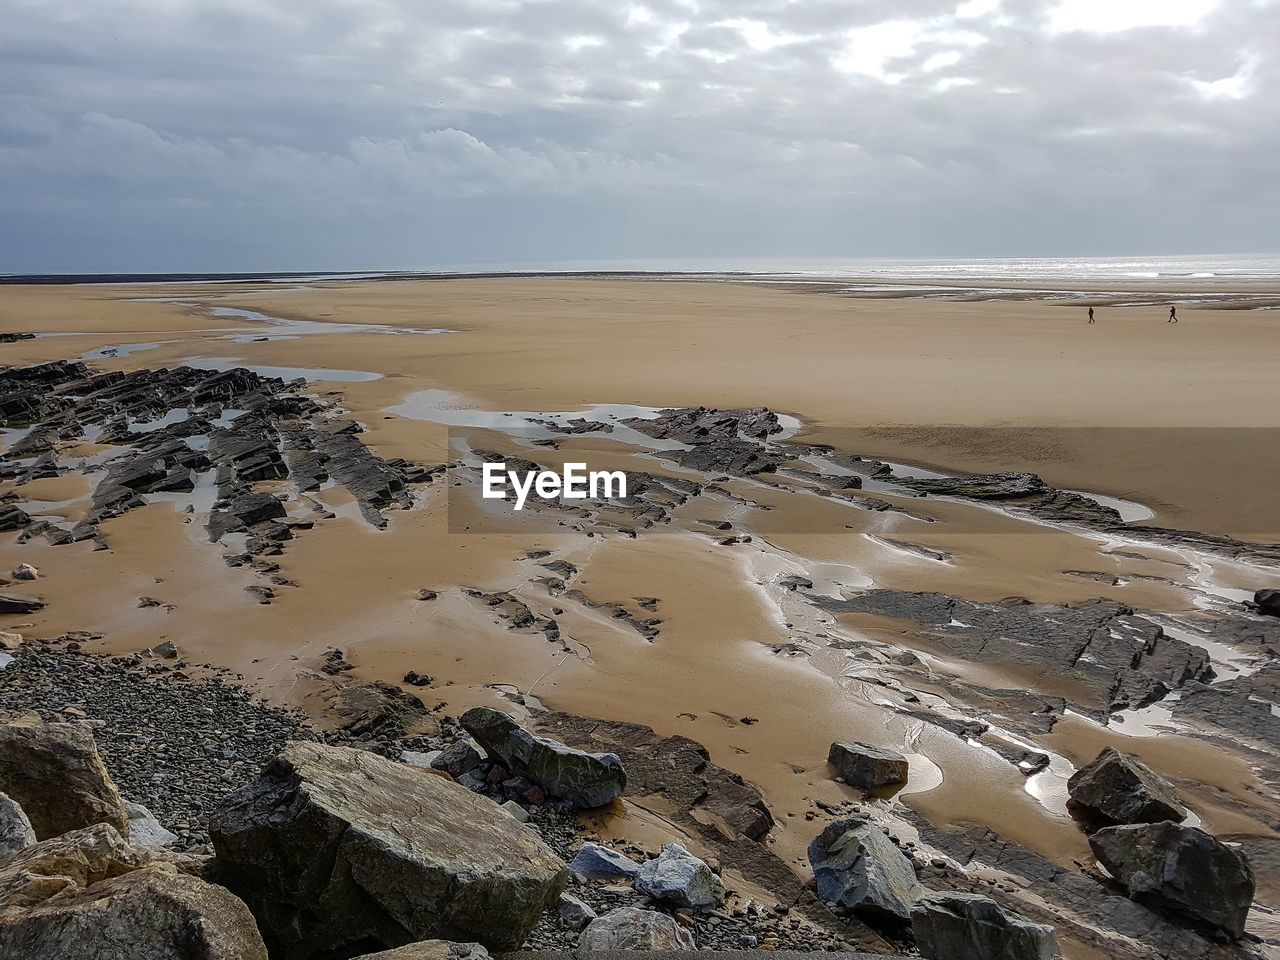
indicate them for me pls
(1180, 418)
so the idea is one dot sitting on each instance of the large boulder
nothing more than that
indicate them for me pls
(630, 928)
(1182, 869)
(432, 950)
(87, 895)
(15, 829)
(580, 778)
(55, 774)
(335, 848)
(857, 867)
(677, 877)
(596, 862)
(968, 926)
(862, 765)
(1268, 602)
(1118, 788)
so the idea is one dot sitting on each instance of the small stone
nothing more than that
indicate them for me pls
(25, 571)
(862, 765)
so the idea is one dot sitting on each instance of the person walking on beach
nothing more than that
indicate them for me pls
(1173, 315)
(1091, 314)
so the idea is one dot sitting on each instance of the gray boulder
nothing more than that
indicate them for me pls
(457, 758)
(432, 950)
(573, 913)
(87, 895)
(600, 863)
(677, 877)
(859, 868)
(54, 773)
(15, 829)
(630, 928)
(865, 766)
(335, 848)
(967, 926)
(580, 778)
(144, 829)
(1182, 869)
(1117, 788)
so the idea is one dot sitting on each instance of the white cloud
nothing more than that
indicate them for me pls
(1111, 16)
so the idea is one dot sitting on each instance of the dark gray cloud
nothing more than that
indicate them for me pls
(266, 134)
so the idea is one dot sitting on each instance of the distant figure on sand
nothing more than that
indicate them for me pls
(1173, 315)
(1091, 314)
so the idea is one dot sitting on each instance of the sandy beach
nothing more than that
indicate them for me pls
(1176, 423)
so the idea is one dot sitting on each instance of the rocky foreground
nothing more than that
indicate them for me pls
(152, 809)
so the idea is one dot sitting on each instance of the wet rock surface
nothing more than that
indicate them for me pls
(172, 431)
(1180, 869)
(1116, 658)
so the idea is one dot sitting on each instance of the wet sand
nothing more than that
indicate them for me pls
(963, 386)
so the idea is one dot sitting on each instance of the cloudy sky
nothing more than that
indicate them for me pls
(140, 135)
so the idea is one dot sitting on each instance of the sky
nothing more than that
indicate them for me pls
(222, 135)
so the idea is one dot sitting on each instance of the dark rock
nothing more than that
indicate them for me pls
(1267, 601)
(965, 926)
(857, 867)
(336, 850)
(573, 913)
(432, 950)
(12, 517)
(580, 778)
(1118, 788)
(1182, 869)
(862, 765)
(12, 604)
(457, 758)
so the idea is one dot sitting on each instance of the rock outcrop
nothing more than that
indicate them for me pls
(335, 848)
(579, 778)
(54, 773)
(858, 868)
(87, 895)
(1117, 788)
(1182, 869)
(1268, 602)
(630, 928)
(952, 926)
(368, 708)
(679, 878)
(862, 765)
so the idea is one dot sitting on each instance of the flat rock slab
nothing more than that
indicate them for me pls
(337, 850)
